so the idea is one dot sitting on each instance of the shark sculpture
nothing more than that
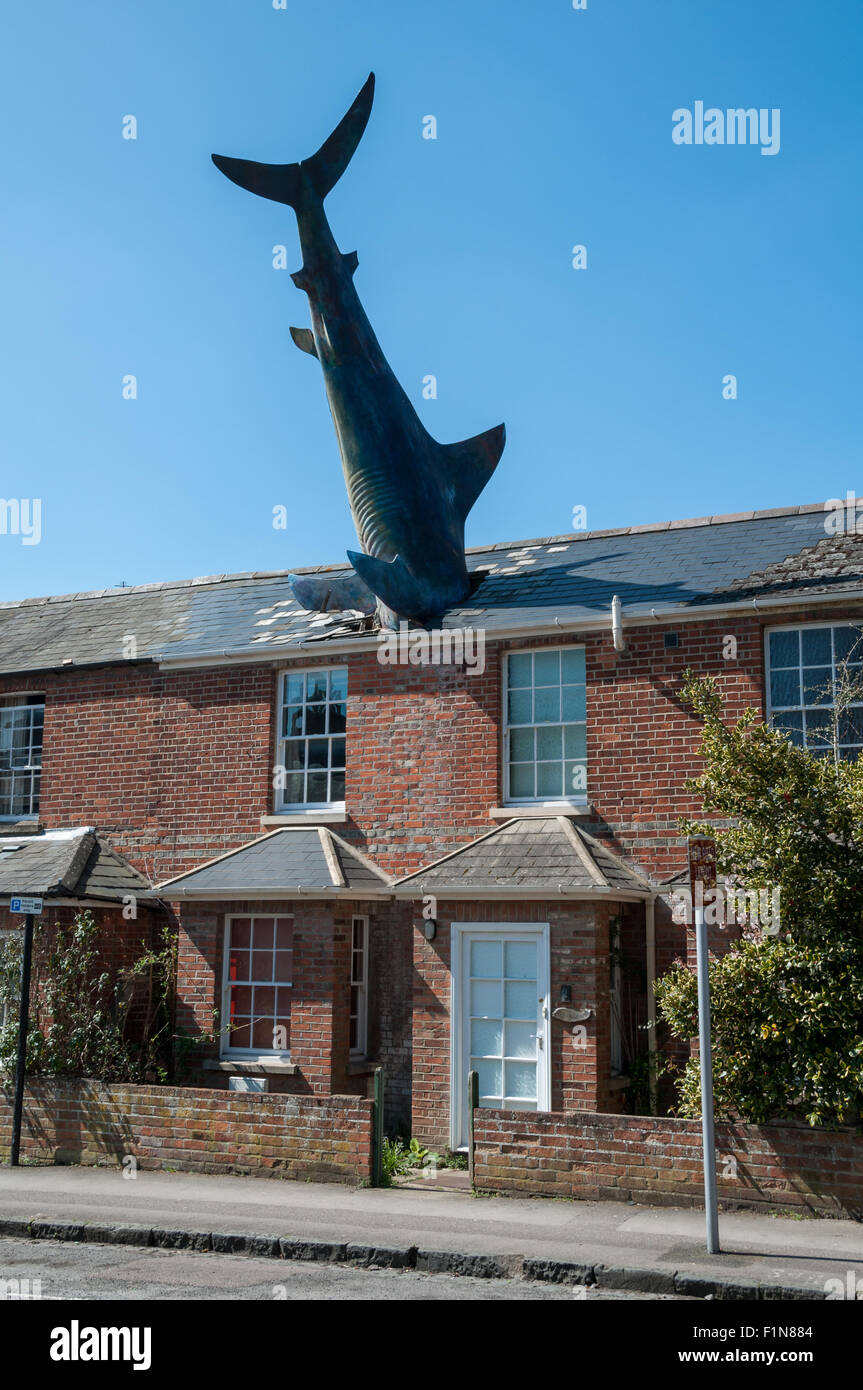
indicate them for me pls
(409, 495)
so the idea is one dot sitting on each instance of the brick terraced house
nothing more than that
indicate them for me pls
(433, 867)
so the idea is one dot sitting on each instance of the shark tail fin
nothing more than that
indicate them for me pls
(471, 463)
(282, 183)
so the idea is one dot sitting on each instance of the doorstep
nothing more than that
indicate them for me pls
(443, 1180)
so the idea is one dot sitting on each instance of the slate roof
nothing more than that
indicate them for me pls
(289, 862)
(675, 567)
(67, 864)
(540, 856)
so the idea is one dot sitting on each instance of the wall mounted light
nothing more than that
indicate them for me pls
(429, 928)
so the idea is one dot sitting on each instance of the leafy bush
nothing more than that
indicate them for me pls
(787, 1009)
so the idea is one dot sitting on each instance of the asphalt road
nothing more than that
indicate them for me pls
(96, 1272)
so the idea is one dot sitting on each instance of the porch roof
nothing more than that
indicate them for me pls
(293, 861)
(529, 857)
(74, 864)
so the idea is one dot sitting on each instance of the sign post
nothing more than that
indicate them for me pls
(30, 908)
(702, 875)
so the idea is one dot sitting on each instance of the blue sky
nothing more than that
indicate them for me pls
(554, 129)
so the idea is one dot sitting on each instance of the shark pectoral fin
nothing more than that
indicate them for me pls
(305, 340)
(391, 580)
(332, 593)
(471, 463)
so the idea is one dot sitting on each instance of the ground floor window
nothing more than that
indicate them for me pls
(359, 983)
(257, 986)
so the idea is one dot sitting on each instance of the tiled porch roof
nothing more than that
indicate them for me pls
(293, 861)
(67, 864)
(533, 857)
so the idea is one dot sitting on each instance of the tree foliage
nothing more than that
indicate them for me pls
(787, 1009)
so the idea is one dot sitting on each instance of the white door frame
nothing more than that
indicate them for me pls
(458, 1077)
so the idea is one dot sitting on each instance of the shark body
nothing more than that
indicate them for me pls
(409, 495)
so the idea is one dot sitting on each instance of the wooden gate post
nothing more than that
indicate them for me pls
(378, 1129)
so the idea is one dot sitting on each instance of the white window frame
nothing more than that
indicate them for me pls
(577, 798)
(798, 627)
(16, 699)
(362, 985)
(458, 1075)
(281, 806)
(248, 1054)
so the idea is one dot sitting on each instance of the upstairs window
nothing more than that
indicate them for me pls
(21, 721)
(815, 687)
(312, 719)
(545, 726)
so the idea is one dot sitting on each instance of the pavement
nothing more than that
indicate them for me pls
(608, 1245)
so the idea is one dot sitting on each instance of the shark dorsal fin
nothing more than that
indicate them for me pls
(305, 340)
(471, 463)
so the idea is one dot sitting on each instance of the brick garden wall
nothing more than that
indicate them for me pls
(658, 1161)
(316, 1138)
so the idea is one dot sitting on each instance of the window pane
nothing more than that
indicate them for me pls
(520, 1000)
(485, 960)
(337, 786)
(338, 719)
(262, 965)
(574, 702)
(284, 933)
(490, 1075)
(263, 931)
(241, 933)
(521, 745)
(784, 688)
(575, 778)
(262, 1033)
(319, 752)
(791, 724)
(815, 642)
(238, 965)
(573, 666)
(575, 741)
(546, 668)
(240, 1035)
(520, 706)
(294, 753)
(293, 690)
(520, 671)
(283, 970)
(784, 649)
(547, 706)
(292, 721)
(851, 725)
(484, 999)
(549, 743)
(486, 1037)
(316, 719)
(293, 792)
(522, 779)
(265, 1002)
(241, 1000)
(337, 755)
(317, 786)
(520, 1040)
(848, 644)
(520, 960)
(817, 685)
(549, 779)
(339, 684)
(316, 686)
(521, 1080)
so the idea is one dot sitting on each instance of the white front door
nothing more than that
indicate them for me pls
(500, 1018)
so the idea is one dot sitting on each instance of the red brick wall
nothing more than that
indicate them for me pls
(643, 1159)
(66, 1120)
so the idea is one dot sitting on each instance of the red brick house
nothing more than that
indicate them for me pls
(432, 865)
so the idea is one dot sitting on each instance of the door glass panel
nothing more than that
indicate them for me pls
(486, 1038)
(485, 960)
(520, 960)
(485, 999)
(520, 1000)
(520, 1039)
(521, 1080)
(490, 1076)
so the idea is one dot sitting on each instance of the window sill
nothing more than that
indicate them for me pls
(19, 825)
(252, 1068)
(358, 1066)
(323, 817)
(536, 811)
